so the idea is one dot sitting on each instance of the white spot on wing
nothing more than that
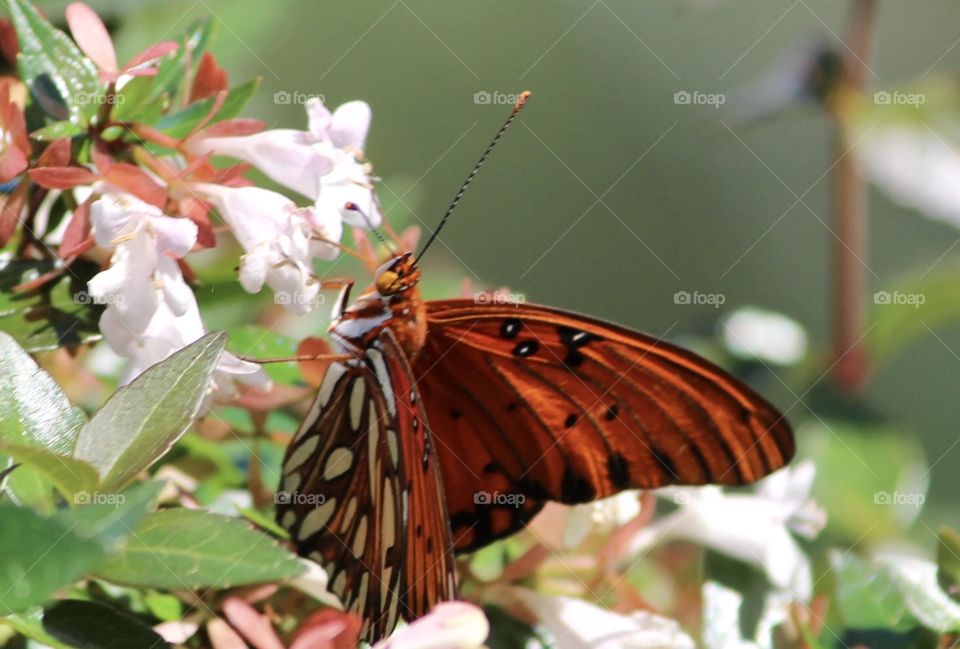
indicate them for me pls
(338, 462)
(330, 379)
(356, 403)
(316, 519)
(360, 538)
(300, 455)
(383, 378)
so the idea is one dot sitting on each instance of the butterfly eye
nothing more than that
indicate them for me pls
(387, 282)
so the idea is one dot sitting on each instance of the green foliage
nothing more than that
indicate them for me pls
(143, 420)
(81, 624)
(183, 548)
(62, 81)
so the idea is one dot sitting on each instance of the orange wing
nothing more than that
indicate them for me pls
(361, 492)
(550, 405)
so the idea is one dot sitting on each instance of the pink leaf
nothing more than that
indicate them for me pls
(231, 127)
(57, 154)
(254, 627)
(153, 52)
(224, 637)
(62, 177)
(91, 36)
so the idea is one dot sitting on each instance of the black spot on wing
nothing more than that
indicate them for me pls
(575, 488)
(619, 471)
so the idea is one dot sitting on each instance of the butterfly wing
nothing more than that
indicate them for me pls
(555, 406)
(356, 490)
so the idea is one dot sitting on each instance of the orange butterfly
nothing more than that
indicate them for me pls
(439, 404)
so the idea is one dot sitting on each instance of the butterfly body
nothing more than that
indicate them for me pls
(455, 422)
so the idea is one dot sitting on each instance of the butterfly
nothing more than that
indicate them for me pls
(449, 424)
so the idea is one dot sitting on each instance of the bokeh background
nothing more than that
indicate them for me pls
(609, 197)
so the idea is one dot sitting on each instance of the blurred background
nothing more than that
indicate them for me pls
(609, 197)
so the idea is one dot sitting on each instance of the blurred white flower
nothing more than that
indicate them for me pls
(314, 581)
(450, 625)
(721, 618)
(577, 624)
(755, 528)
(916, 579)
(916, 166)
(151, 312)
(281, 241)
(764, 335)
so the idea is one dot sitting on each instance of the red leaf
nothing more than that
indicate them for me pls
(340, 630)
(232, 175)
(91, 36)
(153, 52)
(136, 181)
(9, 45)
(232, 127)
(12, 163)
(77, 233)
(62, 177)
(214, 109)
(12, 207)
(151, 134)
(57, 154)
(199, 212)
(313, 371)
(209, 80)
(101, 157)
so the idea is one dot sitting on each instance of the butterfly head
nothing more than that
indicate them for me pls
(398, 275)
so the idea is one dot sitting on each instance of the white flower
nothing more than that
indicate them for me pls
(721, 618)
(314, 581)
(151, 311)
(755, 528)
(450, 625)
(764, 335)
(600, 517)
(321, 163)
(281, 241)
(577, 624)
(916, 166)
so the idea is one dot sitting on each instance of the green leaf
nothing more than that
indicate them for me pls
(30, 624)
(142, 420)
(36, 413)
(867, 597)
(38, 556)
(948, 562)
(58, 314)
(184, 548)
(163, 606)
(179, 124)
(171, 72)
(70, 476)
(111, 518)
(57, 130)
(82, 624)
(49, 60)
(132, 97)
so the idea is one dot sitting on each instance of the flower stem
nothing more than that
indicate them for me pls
(851, 368)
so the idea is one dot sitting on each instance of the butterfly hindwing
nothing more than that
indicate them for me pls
(361, 492)
(555, 406)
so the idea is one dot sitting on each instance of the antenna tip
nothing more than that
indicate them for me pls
(522, 99)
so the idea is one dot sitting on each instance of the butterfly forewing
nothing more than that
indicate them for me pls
(361, 492)
(562, 407)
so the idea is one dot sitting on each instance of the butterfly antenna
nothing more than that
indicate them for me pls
(353, 207)
(521, 100)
